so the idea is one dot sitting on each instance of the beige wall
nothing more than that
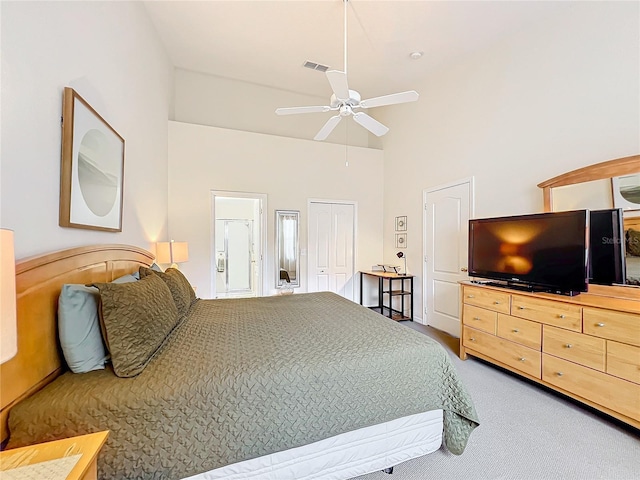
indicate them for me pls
(289, 171)
(562, 95)
(111, 55)
(221, 102)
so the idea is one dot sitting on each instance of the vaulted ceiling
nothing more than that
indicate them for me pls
(267, 42)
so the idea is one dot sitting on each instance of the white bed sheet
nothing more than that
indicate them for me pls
(344, 456)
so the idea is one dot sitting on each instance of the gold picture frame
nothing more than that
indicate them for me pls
(91, 169)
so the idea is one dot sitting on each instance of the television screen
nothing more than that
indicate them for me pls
(544, 251)
(606, 247)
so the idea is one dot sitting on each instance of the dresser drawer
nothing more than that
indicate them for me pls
(480, 318)
(558, 314)
(524, 332)
(611, 392)
(619, 326)
(575, 347)
(486, 298)
(516, 356)
(623, 361)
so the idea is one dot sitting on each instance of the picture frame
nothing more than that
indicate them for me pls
(401, 223)
(401, 240)
(626, 192)
(91, 169)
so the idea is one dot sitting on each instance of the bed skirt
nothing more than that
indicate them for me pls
(343, 456)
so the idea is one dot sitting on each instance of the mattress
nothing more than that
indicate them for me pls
(344, 456)
(244, 378)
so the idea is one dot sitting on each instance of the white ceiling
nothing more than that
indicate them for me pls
(266, 42)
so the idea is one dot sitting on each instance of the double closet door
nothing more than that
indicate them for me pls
(331, 248)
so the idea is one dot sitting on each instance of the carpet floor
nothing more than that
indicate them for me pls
(526, 432)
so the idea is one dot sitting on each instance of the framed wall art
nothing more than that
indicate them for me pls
(91, 170)
(626, 191)
(401, 224)
(401, 240)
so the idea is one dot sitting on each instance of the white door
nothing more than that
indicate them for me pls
(331, 248)
(235, 258)
(446, 237)
(237, 244)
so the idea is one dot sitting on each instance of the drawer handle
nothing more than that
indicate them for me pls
(559, 374)
(515, 330)
(476, 318)
(469, 296)
(569, 345)
(600, 324)
(520, 308)
(522, 359)
(472, 339)
(496, 303)
(561, 316)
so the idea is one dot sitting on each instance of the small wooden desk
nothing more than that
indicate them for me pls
(388, 310)
(87, 445)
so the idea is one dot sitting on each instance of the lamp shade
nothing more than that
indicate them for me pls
(8, 319)
(172, 252)
(163, 252)
(179, 252)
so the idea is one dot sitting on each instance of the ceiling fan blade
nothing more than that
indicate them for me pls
(327, 128)
(339, 85)
(294, 110)
(370, 124)
(394, 98)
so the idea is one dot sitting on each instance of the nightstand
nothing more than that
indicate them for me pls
(87, 445)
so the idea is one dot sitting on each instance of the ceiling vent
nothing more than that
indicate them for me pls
(315, 66)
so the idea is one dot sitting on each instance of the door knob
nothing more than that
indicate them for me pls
(464, 269)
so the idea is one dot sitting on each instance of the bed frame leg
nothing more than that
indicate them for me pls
(388, 470)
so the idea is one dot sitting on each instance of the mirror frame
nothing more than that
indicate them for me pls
(281, 214)
(597, 171)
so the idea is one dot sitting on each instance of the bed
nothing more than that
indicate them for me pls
(297, 386)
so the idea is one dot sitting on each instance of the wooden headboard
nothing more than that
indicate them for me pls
(38, 284)
(632, 222)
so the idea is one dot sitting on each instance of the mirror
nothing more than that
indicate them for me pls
(287, 252)
(594, 187)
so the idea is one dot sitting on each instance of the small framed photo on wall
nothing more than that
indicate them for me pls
(401, 240)
(401, 224)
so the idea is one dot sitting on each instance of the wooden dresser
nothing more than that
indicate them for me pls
(586, 346)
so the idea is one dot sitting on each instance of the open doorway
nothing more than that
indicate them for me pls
(237, 244)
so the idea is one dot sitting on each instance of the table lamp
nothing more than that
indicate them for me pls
(401, 255)
(8, 318)
(172, 252)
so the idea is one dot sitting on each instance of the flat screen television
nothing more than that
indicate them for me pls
(541, 252)
(607, 264)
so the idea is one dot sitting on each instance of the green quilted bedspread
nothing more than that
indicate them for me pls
(248, 377)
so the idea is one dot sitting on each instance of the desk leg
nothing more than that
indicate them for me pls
(411, 280)
(390, 298)
(380, 280)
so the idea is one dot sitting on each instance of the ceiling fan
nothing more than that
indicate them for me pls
(345, 101)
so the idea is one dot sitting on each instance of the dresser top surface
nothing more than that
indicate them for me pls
(583, 299)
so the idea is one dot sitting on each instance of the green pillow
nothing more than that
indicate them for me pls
(181, 290)
(79, 327)
(136, 319)
(633, 242)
